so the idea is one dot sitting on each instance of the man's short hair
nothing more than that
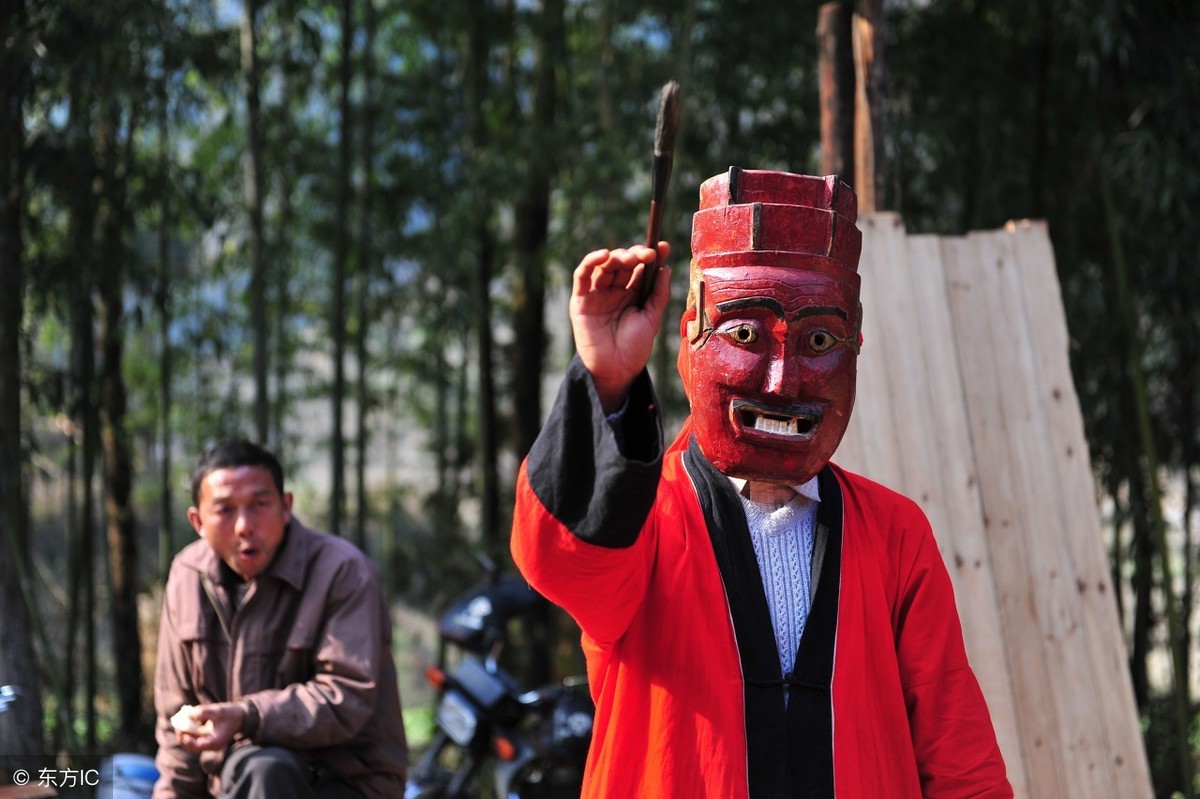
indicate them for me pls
(230, 454)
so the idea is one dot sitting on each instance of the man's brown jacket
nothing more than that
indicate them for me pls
(308, 647)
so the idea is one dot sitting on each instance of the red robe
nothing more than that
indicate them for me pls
(645, 551)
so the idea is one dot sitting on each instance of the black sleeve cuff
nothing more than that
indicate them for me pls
(597, 488)
(251, 721)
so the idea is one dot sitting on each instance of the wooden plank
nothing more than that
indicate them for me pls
(886, 461)
(1032, 672)
(997, 458)
(911, 334)
(873, 419)
(1056, 397)
(849, 454)
(892, 315)
(1043, 520)
(957, 496)
(899, 403)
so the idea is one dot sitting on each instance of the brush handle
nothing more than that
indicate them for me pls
(660, 178)
(665, 128)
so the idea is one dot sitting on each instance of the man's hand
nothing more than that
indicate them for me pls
(614, 337)
(204, 727)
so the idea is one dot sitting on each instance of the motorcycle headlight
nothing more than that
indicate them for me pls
(457, 717)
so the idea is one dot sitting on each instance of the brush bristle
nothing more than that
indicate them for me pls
(668, 118)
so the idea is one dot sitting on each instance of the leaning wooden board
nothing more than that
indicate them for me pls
(966, 404)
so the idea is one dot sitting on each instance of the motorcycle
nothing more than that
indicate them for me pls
(491, 734)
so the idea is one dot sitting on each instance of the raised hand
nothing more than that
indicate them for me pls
(613, 335)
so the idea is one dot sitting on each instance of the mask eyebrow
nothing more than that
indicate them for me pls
(821, 310)
(774, 306)
(770, 303)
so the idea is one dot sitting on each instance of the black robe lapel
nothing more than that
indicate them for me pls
(766, 725)
(789, 750)
(810, 697)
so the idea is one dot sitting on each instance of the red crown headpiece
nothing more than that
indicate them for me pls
(756, 217)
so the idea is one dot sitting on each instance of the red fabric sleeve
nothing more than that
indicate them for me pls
(953, 738)
(601, 587)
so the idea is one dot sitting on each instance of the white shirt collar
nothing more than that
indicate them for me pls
(808, 490)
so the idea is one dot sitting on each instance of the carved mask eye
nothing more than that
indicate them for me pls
(744, 333)
(821, 341)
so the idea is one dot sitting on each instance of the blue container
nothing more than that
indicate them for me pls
(127, 776)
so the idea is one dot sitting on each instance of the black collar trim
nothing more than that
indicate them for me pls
(789, 748)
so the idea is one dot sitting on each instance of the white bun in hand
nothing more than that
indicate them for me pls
(185, 721)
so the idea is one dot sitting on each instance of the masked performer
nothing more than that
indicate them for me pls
(757, 621)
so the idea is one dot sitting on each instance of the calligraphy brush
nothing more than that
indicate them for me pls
(665, 128)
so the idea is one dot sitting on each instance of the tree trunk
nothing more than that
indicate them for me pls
(485, 245)
(118, 484)
(282, 270)
(83, 415)
(972, 174)
(610, 183)
(1041, 131)
(1188, 600)
(1185, 383)
(283, 356)
(166, 546)
(1148, 455)
(1185, 388)
(254, 209)
(74, 574)
(1143, 592)
(447, 433)
(118, 467)
(489, 445)
(445, 487)
(532, 227)
(1112, 488)
(363, 276)
(22, 732)
(341, 255)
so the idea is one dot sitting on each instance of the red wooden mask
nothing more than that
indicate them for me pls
(771, 331)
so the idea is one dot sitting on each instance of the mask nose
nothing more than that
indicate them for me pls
(782, 376)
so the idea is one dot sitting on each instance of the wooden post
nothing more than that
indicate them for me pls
(865, 135)
(836, 70)
(851, 92)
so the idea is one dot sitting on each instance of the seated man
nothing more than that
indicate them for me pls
(275, 675)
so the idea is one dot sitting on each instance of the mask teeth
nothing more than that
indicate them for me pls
(770, 425)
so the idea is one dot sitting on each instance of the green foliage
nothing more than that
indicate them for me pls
(419, 725)
(1158, 732)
